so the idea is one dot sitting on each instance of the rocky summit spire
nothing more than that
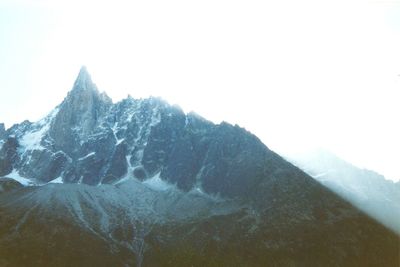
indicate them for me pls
(78, 114)
(83, 81)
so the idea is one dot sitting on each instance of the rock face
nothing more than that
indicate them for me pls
(144, 184)
(8, 155)
(2, 131)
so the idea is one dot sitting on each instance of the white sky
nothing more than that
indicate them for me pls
(299, 74)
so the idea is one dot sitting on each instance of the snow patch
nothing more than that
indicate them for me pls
(157, 183)
(155, 118)
(22, 180)
(87, 156)
(58, 180)
(31, 140)
(119, 141)
(115, 130)
(128, 174)
(199, 190)
(47, 120)
(186, 120)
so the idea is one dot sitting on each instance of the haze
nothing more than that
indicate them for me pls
(298, 74)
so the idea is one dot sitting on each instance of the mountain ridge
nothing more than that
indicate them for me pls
(366, 189)
(87, 127)
(141, 183)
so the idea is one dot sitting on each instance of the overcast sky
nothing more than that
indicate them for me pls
(299, 74)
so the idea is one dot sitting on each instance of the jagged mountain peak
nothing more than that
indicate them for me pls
(84, 86)
(84, 80)
(79, 113)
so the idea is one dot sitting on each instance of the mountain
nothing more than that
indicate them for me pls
(365, 189)
(141, 183)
